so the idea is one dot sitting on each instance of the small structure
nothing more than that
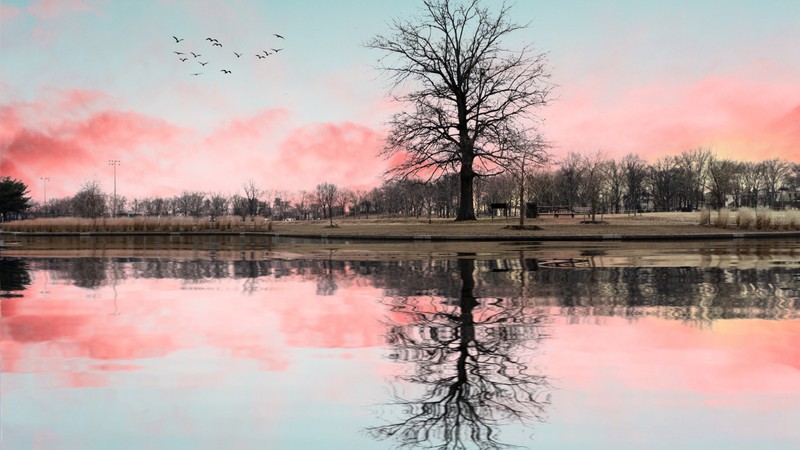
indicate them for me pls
(499, 206)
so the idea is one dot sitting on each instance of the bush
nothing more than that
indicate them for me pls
(763, 219)
(723, 218)
(705, 217)
(745, 218)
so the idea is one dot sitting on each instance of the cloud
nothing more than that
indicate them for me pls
(345, 154)
(737, 118)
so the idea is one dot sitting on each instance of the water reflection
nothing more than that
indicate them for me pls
(14, 276)
(279, 347)
(682, 293)
(471, 358)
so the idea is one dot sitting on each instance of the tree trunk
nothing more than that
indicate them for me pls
(466, 206)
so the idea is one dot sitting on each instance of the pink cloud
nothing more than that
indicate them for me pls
(737, 118)
(344, 154)
(49, 9)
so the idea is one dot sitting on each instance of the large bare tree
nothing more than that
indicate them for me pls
(467, 88)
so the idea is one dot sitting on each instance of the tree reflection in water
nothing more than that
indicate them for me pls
(14, 277)
(471, 360)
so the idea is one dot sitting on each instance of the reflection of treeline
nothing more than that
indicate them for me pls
(685, 292)
(14, 276)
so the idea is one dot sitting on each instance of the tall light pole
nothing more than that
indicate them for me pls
(115, 163)
(45, 180)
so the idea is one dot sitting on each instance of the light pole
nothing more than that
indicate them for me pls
(45, 180)
(115, 163)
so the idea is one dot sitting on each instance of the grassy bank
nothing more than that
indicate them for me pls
(654, 224)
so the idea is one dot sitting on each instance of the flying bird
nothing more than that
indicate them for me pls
(238, 55)
(210, 39)
(261, 57)
(184, 59)
(216, 44)
(266, 53)
(195, 54)
(276, 50)
(278, 36)
(179, 53)
(196, 74)
(225, 71)
(203, 63)
(176, 39)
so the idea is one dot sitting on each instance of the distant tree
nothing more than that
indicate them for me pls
(664, 182)
(216, 205)
(615, 184)
(722, 175)
(635, 170)
(470, 86)
(252, 193)
(594, 177)
(773, 173)
(694, 171)
(240, 206)
(90, 201)
(327, 196)
(14, 198)
(570, 178)
(526, 153)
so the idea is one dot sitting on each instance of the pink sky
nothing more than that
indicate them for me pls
(654, 80)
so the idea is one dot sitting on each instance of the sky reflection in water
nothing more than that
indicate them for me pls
(320, 354)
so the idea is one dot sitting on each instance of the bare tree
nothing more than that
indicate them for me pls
(722, 178)
(635, 170)
(217, 205)
(773, 172)
(252, 193)
(694, 168)
(594, 176)
(571, 178)
(327, 196)
(469, 88)
(524, 154)
(90, 200)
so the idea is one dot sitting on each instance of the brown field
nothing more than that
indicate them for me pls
(612, 226)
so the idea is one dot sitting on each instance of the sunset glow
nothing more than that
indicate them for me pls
(85, 81)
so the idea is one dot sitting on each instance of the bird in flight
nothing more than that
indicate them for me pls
(184, 59)
(279, 36)
(179, 53)
(216, 44)
(266, 53)
(238, 55)
(225, 71)
(176, 39)
(276, 50)
(203, 63)
(196, 74)
(209, 39)
(195, 54)
(260, 57)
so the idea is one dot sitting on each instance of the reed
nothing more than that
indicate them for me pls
(763, 219)
(705, 217)
(745, 218)
(723, 218)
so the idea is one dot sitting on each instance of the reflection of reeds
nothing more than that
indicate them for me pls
(138, 224)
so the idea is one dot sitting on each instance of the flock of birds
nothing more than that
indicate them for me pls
(190, 56)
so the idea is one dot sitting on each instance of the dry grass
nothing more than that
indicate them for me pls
(653, 224)
(762, 219)
(723, 218)
(137, 224)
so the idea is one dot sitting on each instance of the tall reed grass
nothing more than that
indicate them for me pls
(762, 219)
(138, 224)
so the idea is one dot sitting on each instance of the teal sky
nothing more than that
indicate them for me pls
(85, 81)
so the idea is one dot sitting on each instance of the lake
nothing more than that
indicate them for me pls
(245, 343)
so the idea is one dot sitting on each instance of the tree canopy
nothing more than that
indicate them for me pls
(469, 89)
(14, 197)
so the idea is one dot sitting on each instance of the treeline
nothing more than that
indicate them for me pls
(694, 179)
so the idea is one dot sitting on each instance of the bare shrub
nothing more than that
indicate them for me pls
(705, 217)
(745, 218)
(723, 218)
(763, 219)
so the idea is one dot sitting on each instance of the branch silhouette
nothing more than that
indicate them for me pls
(465, 353)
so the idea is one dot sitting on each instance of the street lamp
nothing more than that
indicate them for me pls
(115, 163)
(45, 180)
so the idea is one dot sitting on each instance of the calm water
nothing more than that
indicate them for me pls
(578, 346)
